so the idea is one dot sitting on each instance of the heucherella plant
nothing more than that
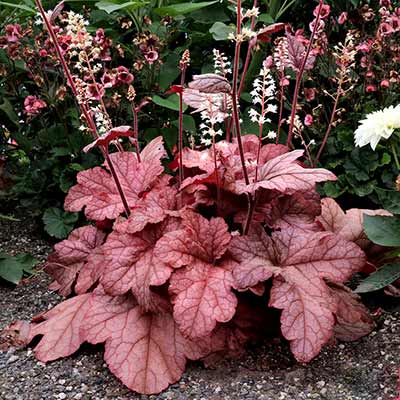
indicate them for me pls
(170, 269)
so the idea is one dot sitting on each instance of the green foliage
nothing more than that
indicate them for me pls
(13, 268)
(383, 230)
(385, 276)
(59, 223)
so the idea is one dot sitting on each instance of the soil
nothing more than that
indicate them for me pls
(364, 370)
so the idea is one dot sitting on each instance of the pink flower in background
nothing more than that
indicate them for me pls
(309, 94)
(371, 88)
(385, 84)
(385, 29)
(95, 92)
(108, 80)
(33, 105)
(151, 56)
(124, 76)
(325, 11)
(13, 33)
(384, 3)
(308, 120)
(43, 53)
(342, 18)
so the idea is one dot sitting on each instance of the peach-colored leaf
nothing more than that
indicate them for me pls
(210, 83)
(61, 329)
(202, 297)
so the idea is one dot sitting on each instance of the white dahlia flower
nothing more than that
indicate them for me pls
(377, 125)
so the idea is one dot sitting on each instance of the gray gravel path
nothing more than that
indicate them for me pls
(365, 370)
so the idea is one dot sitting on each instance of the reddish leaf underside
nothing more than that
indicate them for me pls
(353, 320)
(71, 257)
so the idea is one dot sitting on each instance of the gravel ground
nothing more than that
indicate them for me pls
(365, 370)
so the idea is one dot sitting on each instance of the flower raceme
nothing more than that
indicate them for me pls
(376, 126)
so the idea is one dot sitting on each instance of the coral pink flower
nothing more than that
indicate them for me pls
(95, 92)
(308, 120)
(342, 18)
(43, 53)
(108, 80)
(309, 94)
(325, 11)
(33, 105)
(151, 56)
(371, 88)
(385, 29)
(13, 33)
(124, 76)
(385, 84)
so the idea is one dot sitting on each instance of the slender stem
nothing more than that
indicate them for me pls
(235, 111)
(84, 110)
(180, 140)
(328, 131)
(300, 75)
(135, 130)
(396, 158)
(281, 99)
(116, 180)
(216, 170)
(248, 55)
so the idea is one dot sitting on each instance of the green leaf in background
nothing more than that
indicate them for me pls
(390, 200)
(383, 230)
(171, 102)
(182, 8)
(111, 6)
(385, 275)
(19, 6)
(13, 269)
(220, 31)
(59, 223)
(189, 123)
(8, 109)
(169, 71)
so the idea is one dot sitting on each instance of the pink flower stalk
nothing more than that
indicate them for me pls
(342, 18)
(33, 105)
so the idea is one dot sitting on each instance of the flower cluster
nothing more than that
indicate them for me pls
(263, 92)
(149, 46)
(33, 105)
